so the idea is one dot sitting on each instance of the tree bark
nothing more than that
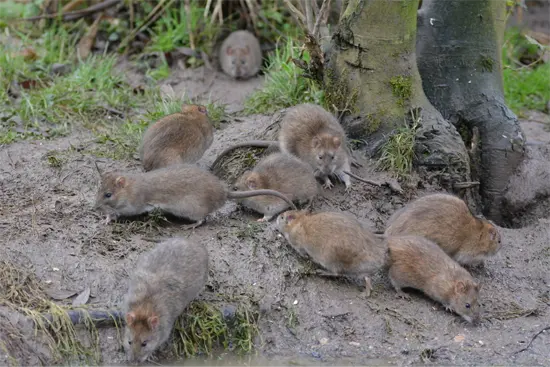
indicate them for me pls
(459, 59)
(372, 75)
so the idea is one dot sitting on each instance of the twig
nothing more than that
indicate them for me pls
(362, 179)
(295, 12)
(70, 6)
(187, 6)
(253, 13)
(532, 340)
(465, 185)
(309, 16)
(155, 13)
(321, 17)
(75, 14)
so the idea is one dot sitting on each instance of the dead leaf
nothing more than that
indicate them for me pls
(85, 44)
(59, 295)
(82, 298)
(29, 84)
(28, 54)
(459, 338)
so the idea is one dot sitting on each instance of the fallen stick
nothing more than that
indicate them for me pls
(73, 15)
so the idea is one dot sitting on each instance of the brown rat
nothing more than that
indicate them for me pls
(181, 137)
(182, 190)
(283, 173)
(314, 135)
(419, 263)
(164, 282)
(336, 241)
(240, 55)
(447, 220)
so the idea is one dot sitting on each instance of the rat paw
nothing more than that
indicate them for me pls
(264, 219)
(403, 295)
(328, 184)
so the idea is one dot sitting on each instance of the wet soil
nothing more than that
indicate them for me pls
(48, 226)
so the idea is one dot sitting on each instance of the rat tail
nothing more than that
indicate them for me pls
(247, 194)
(252, 143)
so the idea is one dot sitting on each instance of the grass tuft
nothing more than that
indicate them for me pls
(398, 152)
(284, 84)
(203, 327)
(21, 292)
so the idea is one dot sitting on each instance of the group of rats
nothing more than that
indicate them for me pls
(424, 245)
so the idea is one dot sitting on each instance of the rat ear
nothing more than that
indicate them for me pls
(315, 142)
(130, 318)
(252, 182)
(290, 217)
(153, 322)
(202, 109)
(460, 287)
(229, 51)
(336, 141)
(120, 181)
(477, 286)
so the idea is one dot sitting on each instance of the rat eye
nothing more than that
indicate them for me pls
(144, 344)
(320, 157)
(243, 62)
(467, 305)
(129, 342)
(108, 195)
(233, 62)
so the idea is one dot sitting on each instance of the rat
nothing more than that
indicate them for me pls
(446, 220)
(183, 190)
(181, 137)
(314, 135)
(336, 241)
(283, 173)
(164, 282)
(240, 55)
(419, 263)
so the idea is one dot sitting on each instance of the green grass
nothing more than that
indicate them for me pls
(398, 152)
(203, 328)
(525, 88)
(171, 30)
(284, 84)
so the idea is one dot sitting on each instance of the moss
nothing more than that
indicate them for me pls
(486, 63)
(373, 123)
(401, 88)
(337, 93)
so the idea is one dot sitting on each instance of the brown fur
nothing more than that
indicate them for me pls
(283, 173)
(446, 220)
(315, 136)
(336, 241)
(165, 280)
(240, 55)
(182, 190)
(181, 137)
(419, 263)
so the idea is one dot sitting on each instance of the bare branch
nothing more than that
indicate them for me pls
(322, 17)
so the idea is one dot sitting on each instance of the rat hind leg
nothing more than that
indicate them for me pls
(198, 223)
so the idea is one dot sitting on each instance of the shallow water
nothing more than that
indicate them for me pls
(257, 361)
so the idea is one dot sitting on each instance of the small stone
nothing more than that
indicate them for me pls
(355, 344)
(323, 341)
(55, 269)
(60, 69)
(295, 302)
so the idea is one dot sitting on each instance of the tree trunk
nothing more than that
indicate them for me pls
(372, 74)
(459, 58)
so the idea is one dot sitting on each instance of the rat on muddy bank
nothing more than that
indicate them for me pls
(419, 263)
(240, 55)
(182, 190)
(315, 136)
(336, 241)
(181, 137)
(164, 282)
(283, 173)
(446, 220)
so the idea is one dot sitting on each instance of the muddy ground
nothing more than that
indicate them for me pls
(48, 226)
